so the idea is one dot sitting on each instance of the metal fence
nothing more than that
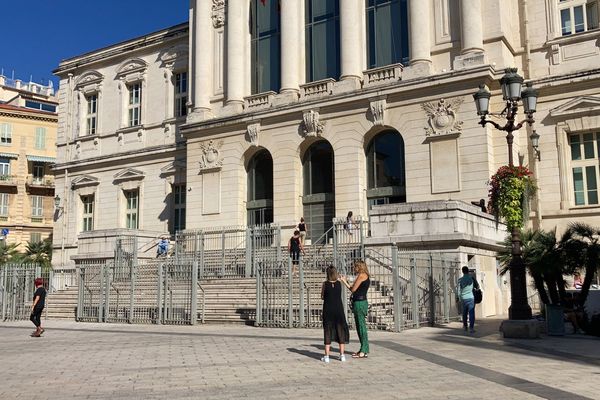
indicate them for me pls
(407, 290)
(162, 291)
(16, 290)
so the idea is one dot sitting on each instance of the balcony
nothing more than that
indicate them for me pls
(8, 180)
(260, 100)
(44, 182)
(383, 75)
(323, 87)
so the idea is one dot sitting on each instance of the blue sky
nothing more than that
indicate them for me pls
(37, 34)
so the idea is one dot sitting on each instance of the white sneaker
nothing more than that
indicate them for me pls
(343, 358)
(325, 359)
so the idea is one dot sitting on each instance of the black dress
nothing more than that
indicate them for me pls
(335, 327)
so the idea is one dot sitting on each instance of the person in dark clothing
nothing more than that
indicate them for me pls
(335, 327)
(295, 247)
(39, 301)
(360, 307)
(302, 230)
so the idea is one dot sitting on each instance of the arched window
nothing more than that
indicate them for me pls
(322, 39)
(385, 169)
(260, 189)
(319, 198)
(265, 45)
(387, 32)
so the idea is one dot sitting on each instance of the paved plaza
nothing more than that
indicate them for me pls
(110, 361)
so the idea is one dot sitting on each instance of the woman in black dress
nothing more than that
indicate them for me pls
(295, 247)
(335, 327)
(39, 300)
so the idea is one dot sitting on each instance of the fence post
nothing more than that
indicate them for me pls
(159, 294)
(446, 295)
(223, 253)
(301, 290)
(102, 292)
(194, 305)
(431, 292)
(3, 286)
(258, 272)
(362, 239)
(335, 248)
(80, 294)
(414, 294)
(248, 252)
(201, 246)
(278, 244)
(14, 294)
(398, 307)
(290, 294)
(132, 271)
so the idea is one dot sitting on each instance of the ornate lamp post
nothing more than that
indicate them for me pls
(512, 93)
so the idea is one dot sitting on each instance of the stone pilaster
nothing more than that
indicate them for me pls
(471, 34)
(234, 95)
(420, 39)
(289, 48)
(351, 38)
(201, 58)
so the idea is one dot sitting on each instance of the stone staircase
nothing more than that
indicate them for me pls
(62, 304)
(228, 301)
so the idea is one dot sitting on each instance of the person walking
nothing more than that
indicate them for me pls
(302, 229)
(295, 247)
(465, 287)
(360, 307)
(39, 301)
(335, 327)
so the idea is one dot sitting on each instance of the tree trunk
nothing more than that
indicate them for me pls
(539, 285)
(590, 270)
(560, 280)
(552, 290)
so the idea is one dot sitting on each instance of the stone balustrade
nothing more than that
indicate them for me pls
(383, 75)
(323, 87)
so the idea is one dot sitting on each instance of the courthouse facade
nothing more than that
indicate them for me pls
(261, 111)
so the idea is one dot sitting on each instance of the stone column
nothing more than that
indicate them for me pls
(350, 38)
(471, 24)
(201, 57)
(420, 27)
(471, 35)
(234, 91)
(289, 48)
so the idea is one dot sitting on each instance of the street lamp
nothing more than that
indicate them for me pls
(512, 93)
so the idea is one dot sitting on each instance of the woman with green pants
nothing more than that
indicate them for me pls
(360, 306)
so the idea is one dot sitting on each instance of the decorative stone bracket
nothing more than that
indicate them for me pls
(218, 13)
(253, 131)
(311, 125)
(378, 107)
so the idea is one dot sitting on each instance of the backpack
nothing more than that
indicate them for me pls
(477, 293)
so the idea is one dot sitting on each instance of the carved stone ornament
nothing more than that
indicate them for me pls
(312, 126)
(442, 117)
(218, 13)
(253, 131)
(176, 55)
(378, 108)
(210, 157)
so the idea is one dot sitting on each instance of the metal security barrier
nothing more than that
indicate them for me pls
(16, 290)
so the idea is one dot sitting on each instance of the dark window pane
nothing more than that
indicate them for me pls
(578, 186)
(385, 158)
(592, 187)
(387, 32)
(575, 148)
(265, 46)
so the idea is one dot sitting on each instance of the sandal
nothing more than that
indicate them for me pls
(360, 354)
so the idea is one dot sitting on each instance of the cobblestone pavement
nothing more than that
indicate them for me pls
(110, 361)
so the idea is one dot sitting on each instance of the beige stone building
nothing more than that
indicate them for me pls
(263, 111)
(28, 121)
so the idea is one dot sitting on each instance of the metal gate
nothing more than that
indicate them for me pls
(16, 290)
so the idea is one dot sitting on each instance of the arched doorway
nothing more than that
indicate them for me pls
(386, 181)
(259, 204)
(319, 198)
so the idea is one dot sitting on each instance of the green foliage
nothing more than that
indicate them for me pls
(39, 253)
(510, 189)
(8, 253)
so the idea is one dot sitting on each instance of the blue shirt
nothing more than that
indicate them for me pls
(465, 287)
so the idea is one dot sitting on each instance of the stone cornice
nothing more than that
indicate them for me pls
(117, 50)
(29, 115)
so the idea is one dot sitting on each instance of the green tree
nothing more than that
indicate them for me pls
(581, 244)
(8, 253)
(39, 253)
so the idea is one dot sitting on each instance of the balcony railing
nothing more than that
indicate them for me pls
(42, 182)
(319, 88)
(260, 100)
(383, 75)
(8, 180)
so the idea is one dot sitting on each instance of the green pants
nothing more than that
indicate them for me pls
(360, 309)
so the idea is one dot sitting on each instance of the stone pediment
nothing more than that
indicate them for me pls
(172, 167)
(129, 174)
(83, 181)
(131, 66)
(89, 78)
(580, 105)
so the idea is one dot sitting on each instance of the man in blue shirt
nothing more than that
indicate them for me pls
(465, 294)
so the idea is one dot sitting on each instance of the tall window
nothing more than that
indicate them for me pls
(4, 199)
(91, 118)
(40, 138)
(181, 88)
(35, 237)
(260, 189)
(387, 32)
(178, 207)
(37, 206)
(322, 39)
(88, 213)
(4, 167)
(38, 172)
(385, 169)
(585, 149)
(135, 104)
(265, 46)
(578, 16)
(132, 209)
(318, 199)
(5, 134)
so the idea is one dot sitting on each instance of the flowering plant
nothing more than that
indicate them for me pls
(510, 189)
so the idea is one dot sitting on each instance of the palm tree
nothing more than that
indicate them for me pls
(39, 253)
(581, 243)
(8, 253)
